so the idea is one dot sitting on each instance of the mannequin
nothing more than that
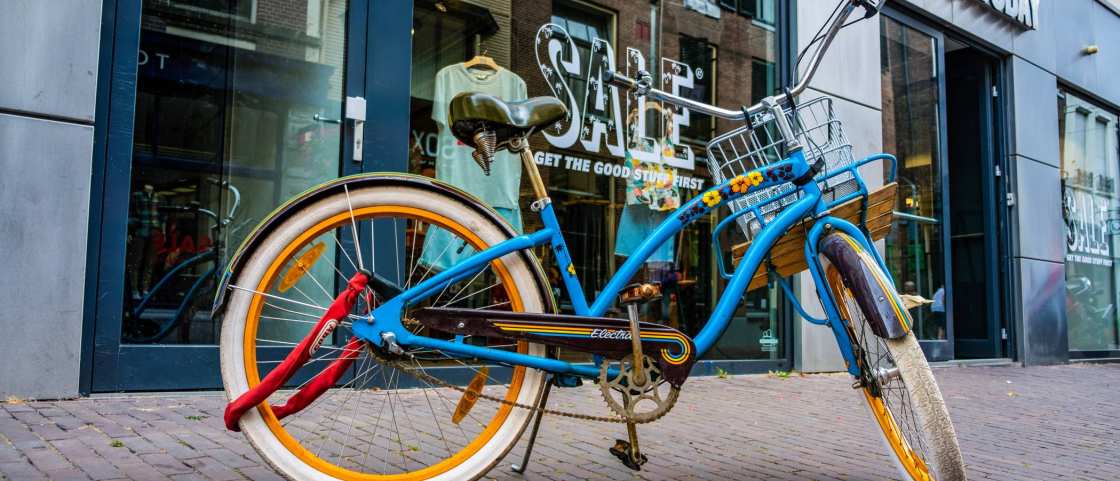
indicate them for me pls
(648, 200)
(145, 224)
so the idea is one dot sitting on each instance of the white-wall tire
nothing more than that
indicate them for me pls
(235, 375)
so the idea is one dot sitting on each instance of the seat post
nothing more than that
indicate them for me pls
(521, 146)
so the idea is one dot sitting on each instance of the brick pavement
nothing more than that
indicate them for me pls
(1059, 422)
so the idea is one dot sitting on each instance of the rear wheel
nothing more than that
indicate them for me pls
(899, 389)
(383, 423)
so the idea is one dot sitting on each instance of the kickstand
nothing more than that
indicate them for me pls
(520, 468)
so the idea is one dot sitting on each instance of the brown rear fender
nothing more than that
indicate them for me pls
(871, 288)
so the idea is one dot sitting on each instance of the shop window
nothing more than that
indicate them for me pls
(764, 78)
(235, 8)
(227, 113)
(762, 11)
(595, 201)
(700, 55)
(1090, 159)
(911, 99)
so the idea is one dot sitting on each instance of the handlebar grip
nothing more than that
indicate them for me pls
(619, 80)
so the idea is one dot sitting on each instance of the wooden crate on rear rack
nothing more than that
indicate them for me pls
(788, 254)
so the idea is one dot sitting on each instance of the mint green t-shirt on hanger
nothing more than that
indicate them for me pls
(454, 165)
(453, 160)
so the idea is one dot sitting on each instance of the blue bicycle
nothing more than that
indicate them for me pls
(146, 324)
(392, 327)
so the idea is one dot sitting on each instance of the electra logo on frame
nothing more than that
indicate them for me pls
(610, 334)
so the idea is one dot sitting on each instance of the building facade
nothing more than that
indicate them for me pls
(164, 130)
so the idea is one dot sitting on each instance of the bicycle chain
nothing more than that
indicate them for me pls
(423, 376)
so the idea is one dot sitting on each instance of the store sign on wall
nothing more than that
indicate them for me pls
(1023, 12)
(597, 121)
(1091, 220)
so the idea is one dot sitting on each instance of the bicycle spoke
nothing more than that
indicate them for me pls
(354, 228)
(484, 289)
(279, 298)
(440, 296)
(296, 288)
(290, 311)
(431, 409)
(344, 253)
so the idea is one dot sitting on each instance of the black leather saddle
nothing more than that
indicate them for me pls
(471, 113)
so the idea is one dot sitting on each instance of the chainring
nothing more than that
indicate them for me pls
(637, 404)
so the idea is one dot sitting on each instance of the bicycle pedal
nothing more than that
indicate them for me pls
(621, 450)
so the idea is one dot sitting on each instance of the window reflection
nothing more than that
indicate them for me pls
(238, 105)
(1090, 160)
(914, 252)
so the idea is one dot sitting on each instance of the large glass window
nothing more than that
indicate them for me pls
(701, 56)
(238, 108)
(521, 49)
(911, 131)
(1090, 157)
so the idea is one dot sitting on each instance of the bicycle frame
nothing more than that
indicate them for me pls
(387, 317)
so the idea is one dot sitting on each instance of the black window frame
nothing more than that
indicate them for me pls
(711, 75)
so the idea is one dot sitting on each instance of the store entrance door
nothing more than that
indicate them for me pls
(975, 204)
(940, 118)
(237, 107)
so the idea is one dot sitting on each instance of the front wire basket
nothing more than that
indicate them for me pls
(760, 143)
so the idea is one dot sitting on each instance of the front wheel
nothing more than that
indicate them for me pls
(897, 383)
(384, 422)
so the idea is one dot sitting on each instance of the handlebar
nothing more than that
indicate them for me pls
(643, 84)
(234, 192)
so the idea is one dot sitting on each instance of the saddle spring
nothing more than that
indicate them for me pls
(486, 143)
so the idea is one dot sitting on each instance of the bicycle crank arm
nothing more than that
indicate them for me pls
(604, 336)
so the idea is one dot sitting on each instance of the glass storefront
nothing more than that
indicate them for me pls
(238, 108)
(1090, 160)
(725, 54)
(914, 252)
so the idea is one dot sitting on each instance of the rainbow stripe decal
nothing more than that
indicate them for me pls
(683, 345)
(872, 267)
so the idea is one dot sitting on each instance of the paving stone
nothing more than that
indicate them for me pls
(212, 469)
(86, 459)
(70, 474)
(142, 472)
(20, 471)
(259, 473)
(166, 463)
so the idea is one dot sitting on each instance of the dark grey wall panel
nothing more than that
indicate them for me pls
(1035, 107)
(48, 63)
(1042, 231)
(1073, 25)
(980, 20)
(941, 9)
(44, 215)
(1039, 46)
(1043, 335)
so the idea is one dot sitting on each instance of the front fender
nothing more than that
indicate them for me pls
(293, 205)
(872, 290)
